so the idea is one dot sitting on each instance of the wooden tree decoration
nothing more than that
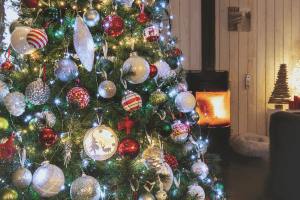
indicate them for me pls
(280, 94)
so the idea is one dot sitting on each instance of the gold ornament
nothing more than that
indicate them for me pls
(153, 158)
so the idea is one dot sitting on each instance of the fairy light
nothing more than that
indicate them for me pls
(138, 2)
(47, 150)
(121, 43)
(74, 7)
(114, 47)
(35, 69)
(295, 79)
(40, 4)
(98, 6)
(62, 3)
(84, 10)
(57, 101)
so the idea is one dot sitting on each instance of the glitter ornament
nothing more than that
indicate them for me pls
(47, 180)
(31, 3)
(3, 124)
(153, 158)
(200, 168)
(22, 178)
(107, 89)
(91, 18)
(152, 33)
(19, 42)
(158, 98)
(84, 44)
(142, 17)
(137, 68)
(132, 101)
(8, 194)
(7, 67)
(167, 171)
(37, 38)
(127, 3)
(163, 70)
(171, 161)
(180, 132)
(185, 102)
(3, 90)
(85, 187)
(100, 143)
(15, 103)
(47, 136)
(51, 14)
(129, 147)
(153, 71)
(161, 195)
(147, 196)
(78, 96)
(196, 191)
(37, 92)
(66, 70)
(46, 118)
(113, 25)
(192, 117)
(14, 25)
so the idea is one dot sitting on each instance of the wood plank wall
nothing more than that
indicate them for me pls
(273, 40)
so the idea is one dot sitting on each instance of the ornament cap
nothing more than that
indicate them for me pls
(11, 90)
(46, 163)
(133, 54)
(113, 13)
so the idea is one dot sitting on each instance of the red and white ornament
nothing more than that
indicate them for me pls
(132, 101)
(152, 33)
(79, 96)
(37, 38)
(180, 132)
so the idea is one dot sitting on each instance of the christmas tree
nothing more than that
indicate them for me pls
(94, 105)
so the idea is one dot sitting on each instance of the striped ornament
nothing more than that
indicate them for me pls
(132, 102)
(37, 38)
(152, 33)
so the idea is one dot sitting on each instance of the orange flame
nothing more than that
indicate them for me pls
(213, 108)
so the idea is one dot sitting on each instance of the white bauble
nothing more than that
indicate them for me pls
(196, 191)
(19, 41)
(147, 196)
(22, 178)
(66, 70)
(138, 68)
(200, 168)
(3, 90)
(37, 92)
(85, 187)
(185, 102)
(48, 180)
(91, 17)
(163, 70)
(107, 89)
(15, 103)
(161, 195)
(166, 170)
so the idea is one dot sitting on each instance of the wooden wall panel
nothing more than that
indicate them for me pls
(287, 32)
(194, 36)
(224, 35)
(174, 10)
(279, 34)
(217, 11)
(184, 42)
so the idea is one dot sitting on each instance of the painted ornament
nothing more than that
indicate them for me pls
(185, 102)
(37, 38)
(79, 97)
(200, 168)
(113, 25)
(152, 33)
(180, 132)
(132, 101)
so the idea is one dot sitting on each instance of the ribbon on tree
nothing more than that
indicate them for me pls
(127, 124)
(7, 149)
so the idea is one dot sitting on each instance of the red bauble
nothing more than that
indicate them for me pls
(78, 96)
(178, 52)
(153, 71)
(31, 3)
(171, 161)
(152, 33)
(7, 66)
(142, 17)
(7, 150)
(47, 136)
(129, 147)
(113, 25)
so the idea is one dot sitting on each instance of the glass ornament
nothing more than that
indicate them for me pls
(66, 70)
(152, 33)
(142, 17)
(187, 147)
(31, 3)
(136, 68)
(196, 191)
(185, 102)
(79, 97)
(168, 181)
(51, 14)
(161, 195)
(163, 70)
(47, 136)
(165, 128)
(37, 92)
(107, 89)
(200, 168)
(129, 147)
(153, 158)
(192, 117)
(91, 18)
(100, 143)
(19, 42)
(47, 180)
(3, 124)
(113, 25)
(7, 67)
(14, 25)
(157, 98)
(3, 90)
(37, 38)
(132, 101)
(15, 103)
(8, 194)
(107, 64)
(147, 196)
(85, 187)
(127, 3)
(180, 132)
(22, 178)
(153, 71)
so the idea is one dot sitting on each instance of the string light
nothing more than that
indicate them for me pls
(84, 10)
(57, 101)
(98, 6)
(62, 3)
(40, 4)
(74, 7)
(114, 47)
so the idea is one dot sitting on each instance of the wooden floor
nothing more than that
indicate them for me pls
(245, 178)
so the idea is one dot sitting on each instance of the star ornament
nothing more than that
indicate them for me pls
(7, 149)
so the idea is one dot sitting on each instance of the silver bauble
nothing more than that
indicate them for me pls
(187, 148)
(66, 70)
(107, 89)
(202, 146)
(193, 117)
(3, 90)
(15, 103)
(147, 196)
(163, 70)
(200, 168)
(161, 195)
(37, 92)
(47, 180)
(185, 102)
(91, 17)
(153, 158)
(166, 170)
(22, 178)
(137, 68)
(196, 191)
(85, 187)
